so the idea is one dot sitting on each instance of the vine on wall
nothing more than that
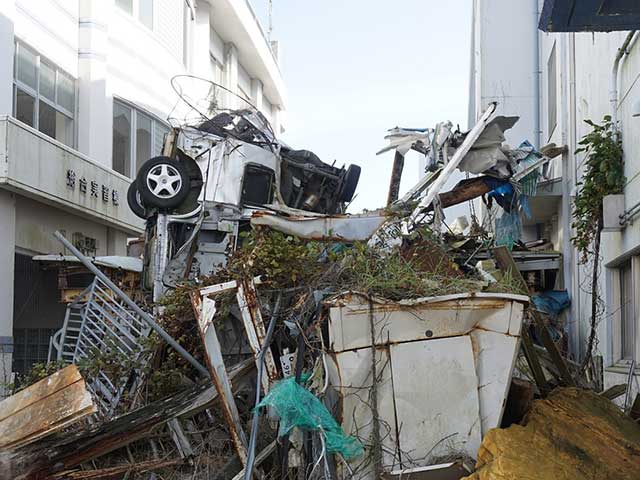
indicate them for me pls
(603, 175)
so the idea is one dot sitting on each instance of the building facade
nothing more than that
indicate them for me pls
(554, 82)
(85, 95)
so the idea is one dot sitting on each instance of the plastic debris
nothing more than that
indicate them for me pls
(297, 407)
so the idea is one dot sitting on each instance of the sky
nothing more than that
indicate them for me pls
(355, 68)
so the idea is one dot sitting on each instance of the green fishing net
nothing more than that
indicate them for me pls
(297, 407)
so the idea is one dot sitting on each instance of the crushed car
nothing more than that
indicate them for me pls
(215, 174)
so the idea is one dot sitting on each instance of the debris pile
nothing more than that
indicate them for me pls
(274, 336)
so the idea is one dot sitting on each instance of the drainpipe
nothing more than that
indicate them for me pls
(621, 55)
(537, 134)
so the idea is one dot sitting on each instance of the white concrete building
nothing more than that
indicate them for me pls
(84, 97)
(554, 81)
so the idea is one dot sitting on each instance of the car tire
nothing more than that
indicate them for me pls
(135, 200)
(349, 183)
(163, 182)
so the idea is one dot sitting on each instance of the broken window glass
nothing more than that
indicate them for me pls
(257, 187)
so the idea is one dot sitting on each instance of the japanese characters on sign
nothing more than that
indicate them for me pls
(93, 187)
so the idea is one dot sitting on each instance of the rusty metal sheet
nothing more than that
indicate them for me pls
(421, 319)
(348, 228)
(45, 407)
(252, 318)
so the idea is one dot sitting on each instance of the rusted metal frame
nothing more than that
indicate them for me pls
(453, 163)
(223, 287)
(396, 176)
(205, 309)
(247, 297)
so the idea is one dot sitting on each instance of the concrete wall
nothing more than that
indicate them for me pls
(500, 71)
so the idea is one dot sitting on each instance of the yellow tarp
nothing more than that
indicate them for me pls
(572, 435)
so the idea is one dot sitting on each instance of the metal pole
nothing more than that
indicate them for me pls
(161, 251)
(248, 469)
(144, 315)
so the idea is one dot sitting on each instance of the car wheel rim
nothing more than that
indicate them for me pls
(164, 181)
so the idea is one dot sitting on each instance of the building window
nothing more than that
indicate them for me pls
(137, 137)
(552, 91)
(627, 313)
(140, 9)
(44, 96)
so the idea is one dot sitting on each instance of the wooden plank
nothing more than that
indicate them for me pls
(111, 472)
(550, 345)
(635, 408)
(64, 451)
(534, 362)
(205, 310)
(44, 408)
(505, 262)
(615, 391)
(396, 177)
(39, 390)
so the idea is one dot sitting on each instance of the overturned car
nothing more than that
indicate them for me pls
(214, 176)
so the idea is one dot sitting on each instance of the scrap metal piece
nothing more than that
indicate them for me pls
(47, 406)
(98, 322)
(205, 310)
(453, 163)
(252, 317)
(340, 228)
(131, 304)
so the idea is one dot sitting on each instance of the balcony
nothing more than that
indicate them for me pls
(39, 167)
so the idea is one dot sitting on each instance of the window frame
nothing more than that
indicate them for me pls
(155, 123)
(619, 308)
(38, 97)
(135, 14)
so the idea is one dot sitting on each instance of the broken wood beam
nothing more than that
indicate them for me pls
(396, 177)
(111, 472)
(534, 363)
(47, 406)
(464, 191)
(614, 391)
(551, 347)
(61, 452)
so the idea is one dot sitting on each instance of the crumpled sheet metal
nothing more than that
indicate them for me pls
(486, 152)
(445, 366)
(347, 228)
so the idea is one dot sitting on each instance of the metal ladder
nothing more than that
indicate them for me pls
(98, 320)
